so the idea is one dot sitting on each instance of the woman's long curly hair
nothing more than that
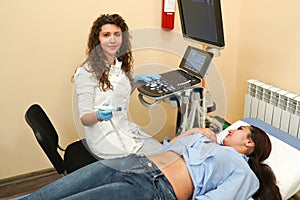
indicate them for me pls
(267, 180)
(96, 58)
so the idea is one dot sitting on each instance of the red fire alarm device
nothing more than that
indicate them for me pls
(168, 14)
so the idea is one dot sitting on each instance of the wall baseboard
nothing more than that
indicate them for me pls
(26, 183)
(27, 176)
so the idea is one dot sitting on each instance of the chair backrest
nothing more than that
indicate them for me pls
(45, 134)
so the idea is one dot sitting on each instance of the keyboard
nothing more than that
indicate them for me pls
(169, 83)
(193, 67)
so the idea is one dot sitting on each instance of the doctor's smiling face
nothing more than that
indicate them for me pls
(110, 38)
(240, 139)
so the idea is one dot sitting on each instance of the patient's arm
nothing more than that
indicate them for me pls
(239, 185)
(204, 131)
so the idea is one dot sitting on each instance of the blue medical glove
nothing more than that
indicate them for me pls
(146, 77)
(104, 113)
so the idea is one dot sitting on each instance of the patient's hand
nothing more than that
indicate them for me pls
(204, 131)
(209, 134)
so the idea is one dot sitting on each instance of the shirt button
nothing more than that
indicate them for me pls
(149, 164)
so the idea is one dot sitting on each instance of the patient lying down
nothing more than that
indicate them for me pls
(190, 165)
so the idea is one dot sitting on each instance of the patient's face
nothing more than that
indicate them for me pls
(238, 138)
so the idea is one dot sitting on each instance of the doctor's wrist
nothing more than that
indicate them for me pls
(99, 119)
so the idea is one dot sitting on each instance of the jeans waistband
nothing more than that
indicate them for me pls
(152, 169)
(149, 165)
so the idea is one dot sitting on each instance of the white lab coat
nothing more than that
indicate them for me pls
(119, 136)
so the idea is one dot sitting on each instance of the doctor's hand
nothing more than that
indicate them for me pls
(146, 77)
(104, 113)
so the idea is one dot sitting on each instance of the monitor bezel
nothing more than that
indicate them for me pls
(220, 43)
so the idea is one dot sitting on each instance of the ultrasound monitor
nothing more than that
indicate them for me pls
(201, 20)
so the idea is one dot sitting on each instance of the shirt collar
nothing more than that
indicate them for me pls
(117, 65)
(116, 70)
(245, 157)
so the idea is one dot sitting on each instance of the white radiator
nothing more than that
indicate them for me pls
(273, 105)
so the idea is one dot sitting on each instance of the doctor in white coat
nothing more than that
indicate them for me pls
(103, 85)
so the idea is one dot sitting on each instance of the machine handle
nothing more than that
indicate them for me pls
(147, 104)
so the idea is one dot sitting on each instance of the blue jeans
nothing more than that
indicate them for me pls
(131, 177)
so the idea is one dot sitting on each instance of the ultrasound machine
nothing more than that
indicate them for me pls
(181, 88)
(193, 67)
(201, 22)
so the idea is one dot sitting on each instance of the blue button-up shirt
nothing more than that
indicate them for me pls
(218, 172)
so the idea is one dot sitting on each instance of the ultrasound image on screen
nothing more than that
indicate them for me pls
(201, 20)
(195, 61)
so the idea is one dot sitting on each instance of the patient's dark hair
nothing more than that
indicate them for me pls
(267, 180)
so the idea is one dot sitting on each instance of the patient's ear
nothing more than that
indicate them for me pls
(250, 143)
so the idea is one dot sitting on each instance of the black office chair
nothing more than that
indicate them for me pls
(76, 155)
